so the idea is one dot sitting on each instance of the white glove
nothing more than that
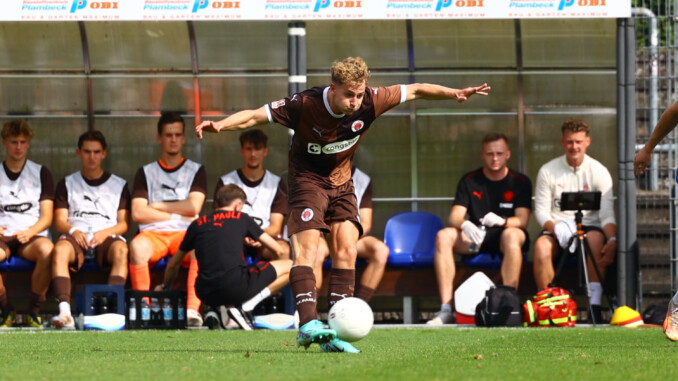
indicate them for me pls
(473, 232)
(564, 231)
(491, 219)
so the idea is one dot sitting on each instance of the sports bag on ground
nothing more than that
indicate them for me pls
(552, 306)
(500, 307)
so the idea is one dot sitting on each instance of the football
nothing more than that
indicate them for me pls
(351, 318)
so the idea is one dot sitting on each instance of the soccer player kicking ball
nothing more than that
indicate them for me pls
(223, 275)
(666, 124)
(329, 123)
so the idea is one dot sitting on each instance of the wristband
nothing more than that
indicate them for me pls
(612, 239)
(72, 230)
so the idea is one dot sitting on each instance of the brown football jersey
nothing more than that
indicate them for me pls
(324, 143)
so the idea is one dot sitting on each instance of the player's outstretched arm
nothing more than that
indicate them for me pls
(666, 123)
(241, 119)
(437, 92)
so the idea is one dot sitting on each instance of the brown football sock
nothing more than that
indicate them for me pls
(365, 293)
(62, 288)
(341, 285)
(302, 282)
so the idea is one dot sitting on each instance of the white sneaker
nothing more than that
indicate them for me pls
(63, 322)
(193, 318)
(442, 317)
(671, 322)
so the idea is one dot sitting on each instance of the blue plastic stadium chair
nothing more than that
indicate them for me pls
(411, 237)
(16, 264)
(161, 264)
(485, 260)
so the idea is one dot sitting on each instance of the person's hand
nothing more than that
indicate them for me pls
(81, 238)
(2, 230)
(491, 219)
(467, 92)
(564, 231)
(641, 161)
(473, 232)
(206, 126)
(252, 242)
(23, 236)
(158, 288)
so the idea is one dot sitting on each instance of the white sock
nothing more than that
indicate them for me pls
(446, 308)
(65, 308)
(675, 298)
(250, 304)
(596, 293)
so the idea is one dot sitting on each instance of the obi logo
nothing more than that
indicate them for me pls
(582, 3)
(322, 4)
(459, 3)
(82, 4)
(202, 4)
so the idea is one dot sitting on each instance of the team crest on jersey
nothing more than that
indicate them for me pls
(509, 196)
(357, 125)
(306, 214)
(276, 104)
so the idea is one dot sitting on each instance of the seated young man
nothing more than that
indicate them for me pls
(89, 200)
(492, 196)
(224, 278)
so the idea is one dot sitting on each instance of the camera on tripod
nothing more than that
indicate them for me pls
(585, 200)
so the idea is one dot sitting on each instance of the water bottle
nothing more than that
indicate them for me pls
(132, 312)
(181, 312)
(474, 248)
(156, 312)
(167, 312)
(90, 253)
(145, 313)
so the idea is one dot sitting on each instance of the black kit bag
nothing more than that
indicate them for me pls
(500, 307)
(655, 313)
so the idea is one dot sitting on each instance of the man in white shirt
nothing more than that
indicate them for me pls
(27, 199)
(574, 172)
(266, 192)
(91, 211)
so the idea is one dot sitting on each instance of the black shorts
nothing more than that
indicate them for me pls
(12, 246)
(241, 285)
(562, 251)
(492, 242)
(315, 207)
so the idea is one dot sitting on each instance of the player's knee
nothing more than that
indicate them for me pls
(140, 251)
(381, 254)
(118, 255)
(446, 237)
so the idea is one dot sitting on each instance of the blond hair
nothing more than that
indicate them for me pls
(350, 70)
(16, 128)
(575, 125)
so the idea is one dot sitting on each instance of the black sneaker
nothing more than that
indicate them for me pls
(244, 319)
(212, 320)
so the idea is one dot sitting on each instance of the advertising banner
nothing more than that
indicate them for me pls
(106, 10)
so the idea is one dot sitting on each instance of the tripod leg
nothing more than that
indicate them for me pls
(598, 273)
(582, 252)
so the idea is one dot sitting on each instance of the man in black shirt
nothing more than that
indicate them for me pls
(224, 278)
(497, 202)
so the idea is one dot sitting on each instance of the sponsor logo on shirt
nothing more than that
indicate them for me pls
(306, 214)
(17, 208)
(506, 205)
(276, 104)
(332, 148)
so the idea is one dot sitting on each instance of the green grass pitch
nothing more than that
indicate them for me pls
(450, 353)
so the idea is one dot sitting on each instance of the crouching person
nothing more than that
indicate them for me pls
(224, 278)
